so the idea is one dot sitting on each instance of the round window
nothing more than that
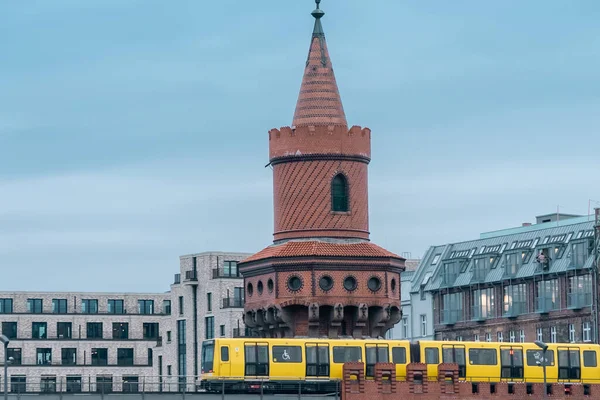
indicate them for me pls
(249, 289)
(326, 283)
(374, 284)
(393, 284)
(259, 287)
(294, 283)
(350, 283)
(270, 285)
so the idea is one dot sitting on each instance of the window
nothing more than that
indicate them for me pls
(511, 359)
(35, 306)
(375, 354)
(587, 331)
(422, 293)
(168, 336)
(9, 329)
(6, 306)
(342, 354)
(131, 384)
(476, 337)
(432, 355)
(399, 355)
(209, 302)
(513, 261)
(580, 253)
(515, 300)
(536, 357)
(572, 333)
(317, 360)
(547, 295)
(89, 306)
(481, 267)
(568, 364)
(230, 269)
(59, 306)
(180, 305)
(483, 357)
(39, 330)
(150, 357)
(488, 337)
(423, 325)
(511, 336)
(287, 354)
(94, 330)
(483, 304)
(48, 384)
(539, 334)
(450, 272)
(580, 291)
(73, 384)
(209, 325)
(146, 306)
(124, 356)
(69, 356)
(553, 334)
(44, 356)
(181, 347)
(522, 336)
(500, 337)
(452, 306)
(224, 353)
(116, 307)
(339, 193)
(405, 328)
(589, 358)
(167, 307)
(104, 383)
(169, 370)
(64, 330)
(208, 355)
(222, 330)
(436, 258)
(257, 359)
(99, 356)
(15, 353)
(120, 330)
(150, 330)
(18, 384)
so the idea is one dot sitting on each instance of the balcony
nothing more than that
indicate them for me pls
(451, 317)
(514, 309)
(577, 301)
(224, 273)
(480, 314)
(233, 302)
(545, 304)
(191, 276)
(578, 261)
(479, 275)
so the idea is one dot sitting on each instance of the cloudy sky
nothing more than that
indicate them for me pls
(135, 131)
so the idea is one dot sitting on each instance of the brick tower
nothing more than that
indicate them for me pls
(321, 276)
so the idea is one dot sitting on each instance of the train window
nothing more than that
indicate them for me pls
(257, 360)
(224, 353)
(317, 360)
(483, 357)
(208, 350)
(342, 354)
(432, 355)
(534, 357)
(287, 354)
(455, 354)
(568, 364)
(512, 363)
(399, 355)
(589, 358)
(375, 354)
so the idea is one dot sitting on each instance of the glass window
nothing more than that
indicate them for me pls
(208, 349)
(94, 330)
(432, 355)
(64, 330)
(180, 305)
(116, 307)
(146, 306)
(589, 358)
(15, 353)
(209, 326)
(287, 354)
(120, 330)
(450, 272)
(399, 355)
(452, 306)
(150, 330)
(339, 193)
(6, 306)
(39, 330)
(35, 306)
(342, 354)
(222, 330)
(483, 357)
(124, 356)
(44, 356)
(9, 329)
(483, 304)
(535, 357)
(209, 302)
(89, 306)
(167, 307)
(99, 356)
(423, 325)
(69, 356)
(59, 306)
(515, 299)
(587, 331)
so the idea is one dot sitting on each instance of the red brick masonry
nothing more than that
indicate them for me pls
(447, 386)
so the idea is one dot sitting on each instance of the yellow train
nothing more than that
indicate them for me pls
(241, 363)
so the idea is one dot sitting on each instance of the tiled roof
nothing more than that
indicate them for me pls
(322, 249)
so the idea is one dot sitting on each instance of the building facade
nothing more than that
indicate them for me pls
(322, 276)
(535, 282)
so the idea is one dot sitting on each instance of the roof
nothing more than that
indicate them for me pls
(411, 264)
(528, 240)
(314, 248)
(319, 101)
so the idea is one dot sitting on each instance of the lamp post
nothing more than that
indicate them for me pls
(544, 347)
(5, 341)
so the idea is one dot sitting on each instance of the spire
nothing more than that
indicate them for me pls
(319, 102)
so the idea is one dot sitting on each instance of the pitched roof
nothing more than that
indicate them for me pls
(319, 101)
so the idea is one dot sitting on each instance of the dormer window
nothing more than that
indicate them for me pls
(339, 193)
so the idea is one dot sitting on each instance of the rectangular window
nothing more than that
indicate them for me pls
(6, 306)
(483, 305)
(124, 356)
(317, 360)
(89, 306)
(547, 295)
(222, 330)
(540, 334)
(146, 306)
(48, 384)
(500, 337)
(230, 269)
(450, 272)
(511, 336)
(99, 356)
(399, 355)
(452, 306)
(15, 353)
(181, 348)
(44, 356)
(522, 336)
(64, 330)
(94, 330)
(257, 359)
(287, 354)
(39, 330)
(580, 291)
(35, 306)
(513, 262)
(536, 357)
(589, 358)
(9, 329)
(68, 356)
(432, 355)
(483, 357)
(150, 330)
(104, 383)
(131, 384)
(120, 330)
(168, 336)
(423, 325)
(209, 302)
(59, 306)
(375, 354)
(180, 305)
(167, 307)
(572, 333)
(208, 355)
(511, 360)
(481, 267)
(553, 334)
(488, 337)
(568, 364)
(209, 325)
(405, 328)
(515, 300)
(342, 354)
(18, 384)
(73, 384)
(476, 337)
(116, 307)
(580, 253)
(587, 331)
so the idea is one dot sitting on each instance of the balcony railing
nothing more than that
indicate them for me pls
(579, 300)
(241, 332)
(450, 317)
(481, 313)
(448, 279)
(578, 261)
(233, 302)
(545, 304)
(479, 275)
(219, 273)
(191, 275)
(514, 309)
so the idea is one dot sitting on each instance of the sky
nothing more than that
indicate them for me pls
(135, 131)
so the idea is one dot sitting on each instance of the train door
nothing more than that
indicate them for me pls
(569, 366)
(225, 362)
(256, 359)
(375, 353)
(511, 362)
(317, 360)
(455, 354)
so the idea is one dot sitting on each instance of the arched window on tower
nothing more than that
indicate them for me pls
(339, 193)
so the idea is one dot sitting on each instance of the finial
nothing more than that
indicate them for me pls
(318, 13)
